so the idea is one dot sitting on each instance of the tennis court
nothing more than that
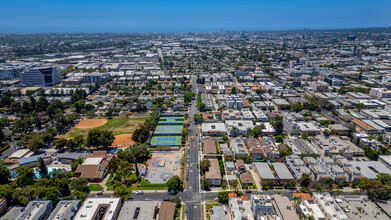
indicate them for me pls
(171, 121)
(166, 141)
(168, 130)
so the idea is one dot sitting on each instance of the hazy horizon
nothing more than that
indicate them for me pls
(176, 16)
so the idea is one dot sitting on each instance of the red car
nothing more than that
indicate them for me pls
(248, 191)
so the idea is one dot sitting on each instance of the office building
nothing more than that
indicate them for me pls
(45, 76)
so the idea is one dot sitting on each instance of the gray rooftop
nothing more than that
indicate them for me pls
(282, 171)
(218, 213)
(65, 209)
(35, 210)
(264, 170)
(13, 213)
(138, 210)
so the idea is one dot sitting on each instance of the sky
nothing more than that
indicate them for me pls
(121, 16)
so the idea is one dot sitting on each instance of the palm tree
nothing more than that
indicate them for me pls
(296, 201)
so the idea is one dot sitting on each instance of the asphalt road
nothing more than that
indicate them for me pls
(192, 196)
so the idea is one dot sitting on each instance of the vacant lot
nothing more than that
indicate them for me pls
(116, 125)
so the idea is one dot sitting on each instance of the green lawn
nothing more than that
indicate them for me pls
(116, 125)
(209, 206)
(95, 187)
(145, 185)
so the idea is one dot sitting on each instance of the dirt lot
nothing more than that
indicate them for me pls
(90, 123)
(123, 140)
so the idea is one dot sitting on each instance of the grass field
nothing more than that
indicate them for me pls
(95, 187)
(116, 125)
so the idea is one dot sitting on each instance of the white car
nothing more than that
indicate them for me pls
(139, 193)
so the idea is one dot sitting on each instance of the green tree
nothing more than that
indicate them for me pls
(278, 125)
(233, 90)
(341, 90)
(97, 138)
(290, 185)
(223, 196)
(305, 180)
(123, 191)
(138, 153)
(35, 144)
(279, 139)
(60, 143)
(62, 184)
(9, 194)
(5, 175)
(204, 165)
(80, 195)
(25, 176)
(175, 183)
(42, 168)
(268, 184)
(79, 139)
(80, 184)
(297, 107)
(205, 184)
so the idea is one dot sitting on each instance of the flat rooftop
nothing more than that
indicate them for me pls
(138, 210)
(91, 206)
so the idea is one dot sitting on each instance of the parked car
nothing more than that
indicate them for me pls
(172, 192)
(139, 193)
(248, 191)
(166, 199)
(99, 193)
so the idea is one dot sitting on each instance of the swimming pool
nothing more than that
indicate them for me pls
(50, 170)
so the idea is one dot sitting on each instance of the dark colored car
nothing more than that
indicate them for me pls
(248, 191)
(166, 199)
(172, 192)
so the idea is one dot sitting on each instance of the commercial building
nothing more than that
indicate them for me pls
(65, 210)
(167, 211)
(99, 208)
(8, 73)
(45, 76)
(95, 77)
(138, 210)
(213, 129)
